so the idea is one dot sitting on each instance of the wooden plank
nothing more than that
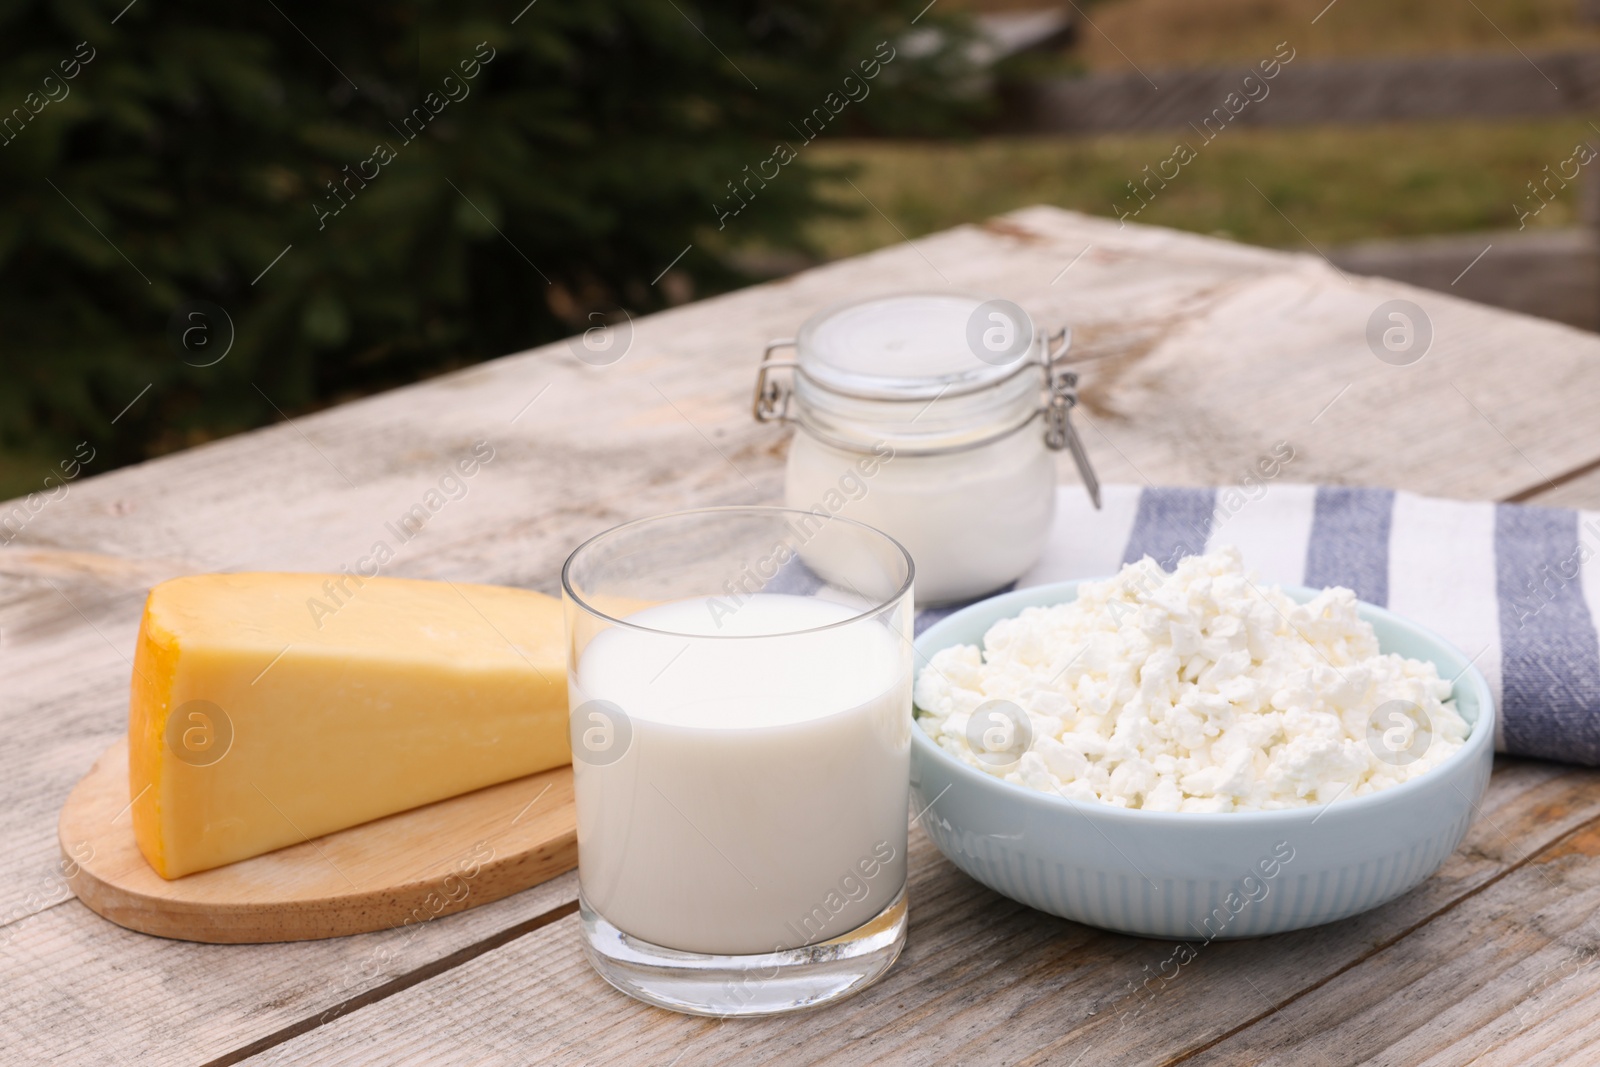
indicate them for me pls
(1554, 274)
(81, 990)
(1206, 353)
(983, 979)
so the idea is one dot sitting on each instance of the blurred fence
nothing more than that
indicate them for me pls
(1374, 90)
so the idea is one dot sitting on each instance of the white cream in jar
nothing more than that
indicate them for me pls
(920, 415)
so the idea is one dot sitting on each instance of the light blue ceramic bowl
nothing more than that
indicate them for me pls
(1193, 876)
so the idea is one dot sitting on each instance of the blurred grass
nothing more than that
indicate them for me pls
(1336, 184)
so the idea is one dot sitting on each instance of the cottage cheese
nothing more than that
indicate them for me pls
(1200, 690)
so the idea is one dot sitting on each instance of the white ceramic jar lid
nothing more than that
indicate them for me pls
(857, 364)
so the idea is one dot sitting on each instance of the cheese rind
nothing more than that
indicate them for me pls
(268, 709)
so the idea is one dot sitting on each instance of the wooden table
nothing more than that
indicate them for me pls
(1207, 354)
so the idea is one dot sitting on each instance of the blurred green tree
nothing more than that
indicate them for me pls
(374, 192)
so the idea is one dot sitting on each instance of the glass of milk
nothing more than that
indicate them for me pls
(740, 690)
(930, 416)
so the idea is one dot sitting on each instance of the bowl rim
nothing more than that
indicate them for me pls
(1480, 736)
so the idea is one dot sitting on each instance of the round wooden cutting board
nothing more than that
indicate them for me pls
(411, 867)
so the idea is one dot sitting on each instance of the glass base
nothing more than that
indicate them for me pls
(769, 983)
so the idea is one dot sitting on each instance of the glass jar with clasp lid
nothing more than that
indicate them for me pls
(930, 416)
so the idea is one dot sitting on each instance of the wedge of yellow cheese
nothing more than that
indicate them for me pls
(269, 709)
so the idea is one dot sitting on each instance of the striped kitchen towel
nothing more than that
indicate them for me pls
(1515, 587)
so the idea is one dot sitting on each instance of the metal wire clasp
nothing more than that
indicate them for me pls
(1059, 433)
(771, 403)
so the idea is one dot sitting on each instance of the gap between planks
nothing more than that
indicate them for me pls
(1384, 945)
(394, 985)
(1532, 494)
(48, 907)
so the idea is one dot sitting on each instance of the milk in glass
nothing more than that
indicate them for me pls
(760, 799)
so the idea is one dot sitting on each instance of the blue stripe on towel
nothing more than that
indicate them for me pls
(1550, 655)
(1350, 541)
(1171, 524)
